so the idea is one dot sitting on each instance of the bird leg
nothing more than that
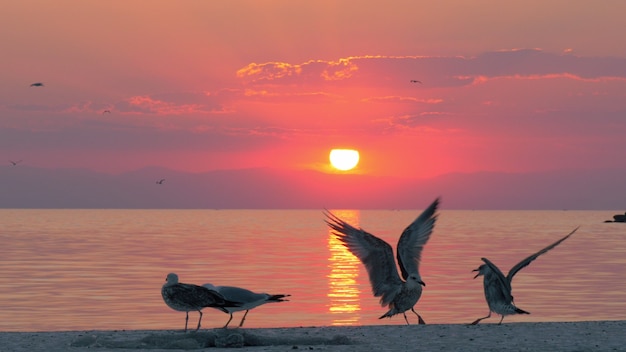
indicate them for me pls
(407, 320)
(479, 319)
(228, 322)
(244, 318)
(500, 323)
(186, 320)
(419, 317)
(199, 320)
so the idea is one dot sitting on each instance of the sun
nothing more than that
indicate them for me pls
(344, 159)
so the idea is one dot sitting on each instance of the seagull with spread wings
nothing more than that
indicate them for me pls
(498, 287)
(398, 294)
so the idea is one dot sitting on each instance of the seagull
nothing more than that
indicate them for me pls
(160, 182)
(37, 84)
(187, 297)
(498, 287)
(415, 81)
(377, 256)
(15, 162)
(106, 112)
(248, 299)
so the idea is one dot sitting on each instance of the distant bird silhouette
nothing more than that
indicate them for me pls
(377, 256)
(15, 162)
(160, 182)
(248, 299)
(37, 84)
(415, 81)
(498, 287)
(187, 297)
(106, 112)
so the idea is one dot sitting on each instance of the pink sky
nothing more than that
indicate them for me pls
(511, 86)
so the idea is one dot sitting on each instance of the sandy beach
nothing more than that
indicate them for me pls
(562, 336)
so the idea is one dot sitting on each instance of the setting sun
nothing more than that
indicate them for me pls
(344, 159)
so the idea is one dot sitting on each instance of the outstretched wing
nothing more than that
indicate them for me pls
(519, 266)
(502, 285)
(413, 239)
(374, 253)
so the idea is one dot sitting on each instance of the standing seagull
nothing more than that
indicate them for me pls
(248, 299)
(187, 297)
(37, 84)
(498, 287)
(377, 256)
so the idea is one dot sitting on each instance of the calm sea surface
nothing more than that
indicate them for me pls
(103, 269)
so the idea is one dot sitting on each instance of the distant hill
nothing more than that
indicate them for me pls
(30, 187)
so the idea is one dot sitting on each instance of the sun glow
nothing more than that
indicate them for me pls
(343, 288)
(344, 159)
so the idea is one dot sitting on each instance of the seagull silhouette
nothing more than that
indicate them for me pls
(160, 182)
(187, 297)
(15, 162)
(497, 287)
(415, 81)
(377, 256)
(106, 112)
(247, 298)
(37, 84)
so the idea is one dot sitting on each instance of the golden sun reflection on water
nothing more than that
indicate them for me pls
(343, 290)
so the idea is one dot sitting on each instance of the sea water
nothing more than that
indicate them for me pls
(103, 269)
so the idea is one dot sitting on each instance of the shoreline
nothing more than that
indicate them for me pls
(552, 336)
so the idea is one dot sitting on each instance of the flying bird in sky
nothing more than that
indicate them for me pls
(415, 81)
(106, 112)
(377, 256)
(37, 84)
(498, 287)
(160, 182)
(15, 162)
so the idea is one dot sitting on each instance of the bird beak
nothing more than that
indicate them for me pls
(477, 275)
(422, 283)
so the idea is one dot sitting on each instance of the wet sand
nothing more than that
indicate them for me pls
(574, 336)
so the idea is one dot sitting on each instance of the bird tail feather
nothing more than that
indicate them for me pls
(389, 314)
(277, 298)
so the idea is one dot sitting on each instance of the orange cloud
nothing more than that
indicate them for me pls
(401, 99)
(342, 69)
(319, 69)
(146, 105)
(269, 71)
(480, 79)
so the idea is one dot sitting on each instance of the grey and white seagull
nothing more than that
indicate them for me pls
(188, 297)
(498, 287)
(248, 299)
(377, 256)
(36, 84)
